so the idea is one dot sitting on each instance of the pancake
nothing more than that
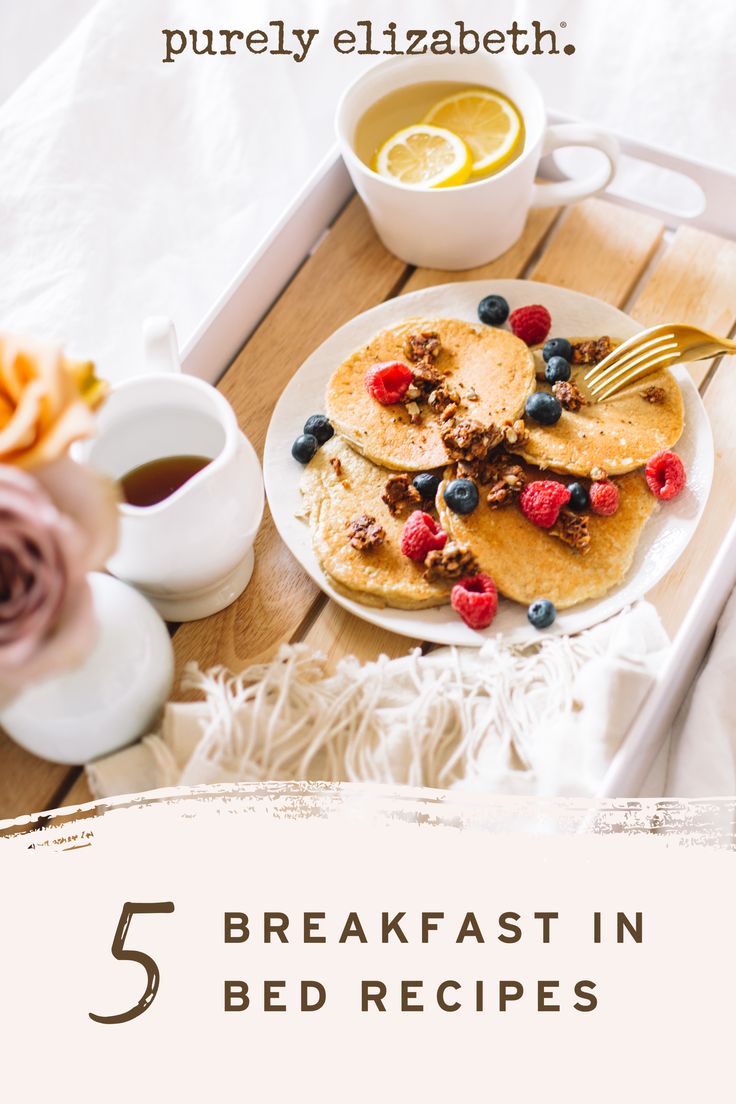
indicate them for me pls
(618, 436)
(527, 562)
(380, 576)
(492, 363)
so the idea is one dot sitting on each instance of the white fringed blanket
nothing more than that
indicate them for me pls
(543, 718)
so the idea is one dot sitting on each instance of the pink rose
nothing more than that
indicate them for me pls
(55, 526)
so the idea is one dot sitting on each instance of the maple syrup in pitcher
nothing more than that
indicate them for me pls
(156, 480)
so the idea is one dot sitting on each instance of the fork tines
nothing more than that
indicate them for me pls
(631, 361)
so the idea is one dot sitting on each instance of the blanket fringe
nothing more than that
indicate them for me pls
(439, 720)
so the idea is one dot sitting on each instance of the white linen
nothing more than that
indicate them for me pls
(546, 719)
(563, 741)
(702, 761)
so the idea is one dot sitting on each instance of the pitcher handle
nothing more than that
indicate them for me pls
(160, 346)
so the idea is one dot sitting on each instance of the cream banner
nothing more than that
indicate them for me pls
(353, 943)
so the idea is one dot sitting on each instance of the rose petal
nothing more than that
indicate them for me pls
(76, 422)
(23, 359)
(20, 431)
(88, 499)
(71, 641)
(45, 403)
(21, 567)
(35, 611)
(54, 528)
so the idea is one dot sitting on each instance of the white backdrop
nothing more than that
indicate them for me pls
(129, 187)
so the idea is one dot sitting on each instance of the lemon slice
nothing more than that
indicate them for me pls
(425, 157)
(488, 122)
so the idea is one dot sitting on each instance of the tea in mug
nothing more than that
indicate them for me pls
(439, 134)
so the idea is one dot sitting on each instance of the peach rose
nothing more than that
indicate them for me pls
(46, 401)
(55, 525)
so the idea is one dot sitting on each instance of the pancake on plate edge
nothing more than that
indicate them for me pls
(527, 562)
(618, 435)
(490, 373)
(341, 487)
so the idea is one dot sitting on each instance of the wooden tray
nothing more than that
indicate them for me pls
(632, 257)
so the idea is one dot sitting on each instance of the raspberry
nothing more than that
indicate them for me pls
(388, 383)
(604, 498)
(531, 324)
(421, 534)
(665, 475)
(542, 501)
(476, 600)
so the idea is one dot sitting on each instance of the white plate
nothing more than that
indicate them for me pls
(665, 536)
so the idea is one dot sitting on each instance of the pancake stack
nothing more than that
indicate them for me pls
(463, 417)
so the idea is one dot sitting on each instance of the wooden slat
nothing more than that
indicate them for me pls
(78, 792)
(27, 783)
(599, 249)
(674, 595)
(696, 283)
(338, 633)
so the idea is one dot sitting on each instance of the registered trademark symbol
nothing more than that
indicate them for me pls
(563, 24)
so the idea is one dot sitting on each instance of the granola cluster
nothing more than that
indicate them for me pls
(572, 529)
(591, 351)
(364, 533)
(654, 394)
(507, 480)
(415, 414)
(445, 400)
(400, 494)
(422, 350)
(423, 347)
(454, 561)
(514, 433)
(470, 441)
(568, 394)
(474, 448)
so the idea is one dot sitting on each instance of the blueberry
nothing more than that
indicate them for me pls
(543, 408)
(558, 369)
(461, 495)
(304, 448)
(557, 346)
(320, 427)
(427, 485)
(493, 310)
(541, 613)
(579, 497)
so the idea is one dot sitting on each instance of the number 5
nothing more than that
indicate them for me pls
(130, 908)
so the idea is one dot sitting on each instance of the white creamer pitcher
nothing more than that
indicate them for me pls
(192, 553)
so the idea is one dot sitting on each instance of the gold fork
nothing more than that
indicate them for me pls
(648, 352)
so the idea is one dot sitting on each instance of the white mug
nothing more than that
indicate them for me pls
(470, 225)
(192, 553)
